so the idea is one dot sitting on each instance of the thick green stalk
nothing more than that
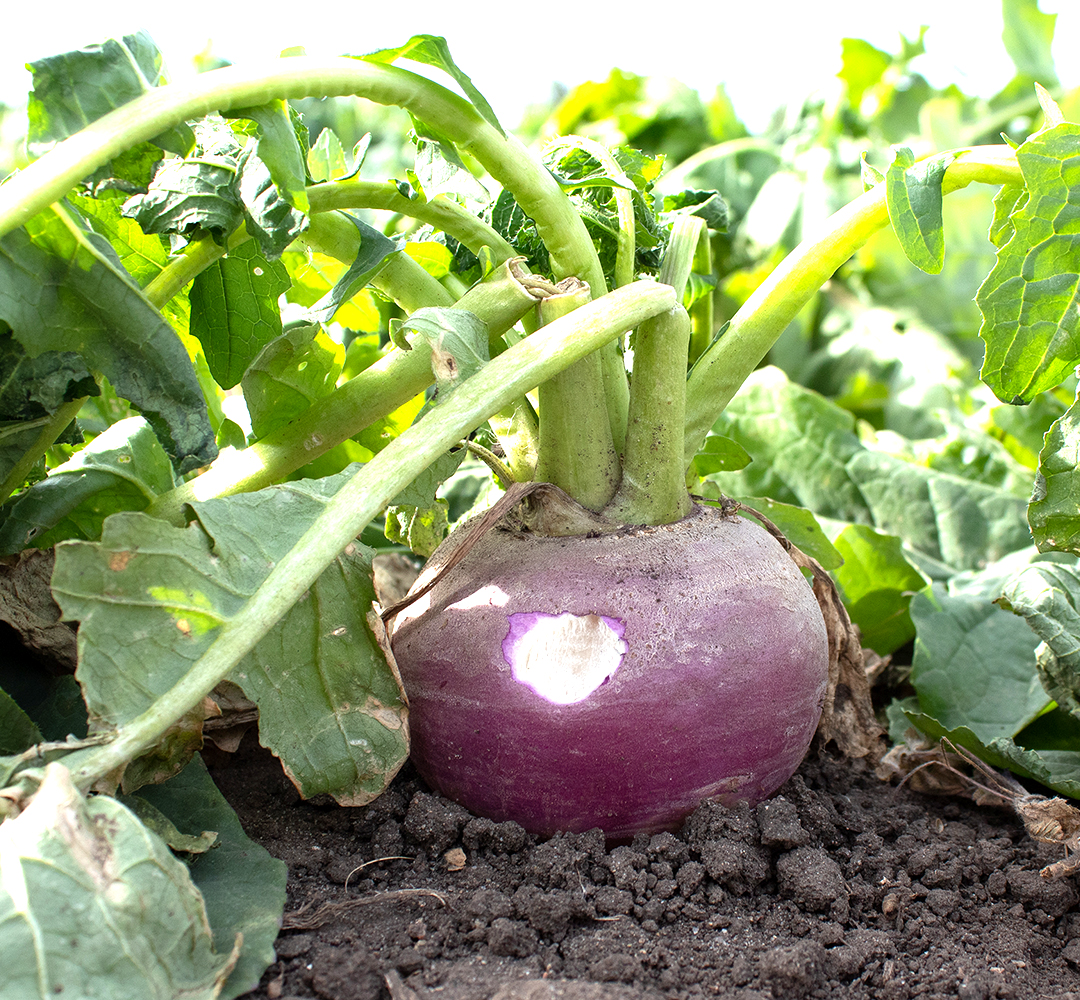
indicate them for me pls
(723, 368)
(528, 363)
(51, 428)
(576, 450)
(653, 485)
(373, 393)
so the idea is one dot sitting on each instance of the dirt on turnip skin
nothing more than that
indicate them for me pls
(841, 887)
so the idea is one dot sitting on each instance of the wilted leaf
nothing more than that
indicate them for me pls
(28, 609)
(459, 344)
(92, 900)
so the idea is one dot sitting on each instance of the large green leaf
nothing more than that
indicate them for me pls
(17, 730)
(1054, 511)
(123, 468)
(150, 598)
(974, 664)
(1028, 35)
(94, 904)
(73, 89)
(234, 310)
(1047, 595)
(913, 195)
(242, 886)
(279, 148)
(63, 289)
(1030, 300)
(876, 583)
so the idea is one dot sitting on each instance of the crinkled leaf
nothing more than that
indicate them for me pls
(73, 89)
(234, 310)
(63, 289)
(876, 583)
(459, 343)
(338, 722)
(432, 50)
(1054, 511)
(913, 195)
(1030, 301)
(961, 523)
(707, 205)
(93, 902)
(417, 518)
(974, 664)
(513, 225)
(1047, 595)
(242, 886)
(375, 248)
(288, 375)
(123, 468)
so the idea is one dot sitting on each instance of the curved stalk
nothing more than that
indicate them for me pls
(723, 368)
(521, 368)
(51, 428)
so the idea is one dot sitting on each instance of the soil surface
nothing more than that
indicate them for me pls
(841, 886)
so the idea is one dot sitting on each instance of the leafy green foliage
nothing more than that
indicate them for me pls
(1054, 513)
(913, 192)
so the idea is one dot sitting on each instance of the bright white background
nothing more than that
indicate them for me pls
(765, 52)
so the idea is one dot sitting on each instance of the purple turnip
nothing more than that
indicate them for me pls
(613, 681)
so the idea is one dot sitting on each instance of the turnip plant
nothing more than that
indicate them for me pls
(609, 643)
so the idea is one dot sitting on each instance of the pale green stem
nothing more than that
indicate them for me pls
(506, 377)
(701, 311)
(448, 216)
(723, 368)
(674, 180)
(576, 450)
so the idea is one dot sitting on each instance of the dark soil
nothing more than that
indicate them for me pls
(840, 886)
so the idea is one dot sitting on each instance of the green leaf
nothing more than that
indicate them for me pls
(876, 583)
(242, 885)
(862, 67)
(1047, 595)
(123, 468)
(92, 901)
(1008, 199)
(62, 289)
(1030, 301)
(913, 195)
(416, 517)
(73, 89)
(799, 526)
(974, 664)
(459, 343)
(234, 310)
(289, 374)
(280, 149)
(707, 205)
(720, 454)
(375, 248)
(188, 195)
(1054, 511)
(337, 723)
(961, 523)
(17, 730)
(1028, 35)
(432, 50)
(326, 159)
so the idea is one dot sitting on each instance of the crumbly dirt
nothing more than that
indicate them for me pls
(841, 886)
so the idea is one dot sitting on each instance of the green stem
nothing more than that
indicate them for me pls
(51, 428)
(576, 450)
(528, 363)
(701, 311)
(442, 213)
(723, 368)
(653, 486)
(373, 393)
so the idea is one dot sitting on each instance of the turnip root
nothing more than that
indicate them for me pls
(613, 681)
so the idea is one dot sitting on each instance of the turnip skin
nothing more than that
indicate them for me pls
(718, 692)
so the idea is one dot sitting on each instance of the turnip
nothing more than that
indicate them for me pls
(615, 680)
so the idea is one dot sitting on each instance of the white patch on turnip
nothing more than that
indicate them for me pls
(563, 658)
